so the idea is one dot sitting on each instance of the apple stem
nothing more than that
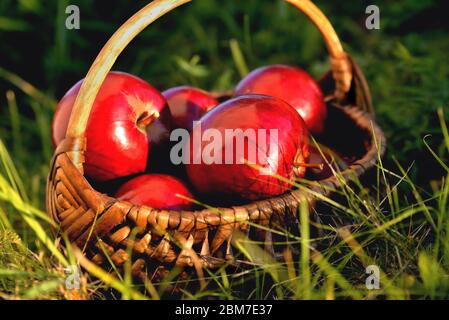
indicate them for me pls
(319, 166)
(146, 118)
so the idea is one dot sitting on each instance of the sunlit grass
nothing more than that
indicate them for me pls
(417, 267)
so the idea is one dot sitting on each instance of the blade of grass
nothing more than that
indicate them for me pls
(330, 271)
(28, 89)
(11, 171)
(305, 249)
(4, 221)
(15, 124)
(107, 278)
(437, 158)
(443, 126)
(239, 60)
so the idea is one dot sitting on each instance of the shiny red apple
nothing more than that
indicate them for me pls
(241, 126)
(293, 85)
(158, 191)
(188, 104)
(117, 140)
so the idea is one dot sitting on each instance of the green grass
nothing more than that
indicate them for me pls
(404, 230)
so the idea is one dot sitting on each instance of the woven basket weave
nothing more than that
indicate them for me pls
(105, 226)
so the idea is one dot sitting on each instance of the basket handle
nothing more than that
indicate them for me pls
(340, 63)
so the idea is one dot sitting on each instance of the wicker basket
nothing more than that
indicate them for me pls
(106, 226)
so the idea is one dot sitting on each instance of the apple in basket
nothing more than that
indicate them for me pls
(185, 104)
(293, 85)
(249, 147)
(117, 138)
(188, 104)
(158, 191)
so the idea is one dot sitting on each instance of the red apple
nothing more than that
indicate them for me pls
(259, 118)
(188, 104)
(158, 191)
(117, 141)
(293, 85)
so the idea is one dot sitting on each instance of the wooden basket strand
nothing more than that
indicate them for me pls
(104, 225)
